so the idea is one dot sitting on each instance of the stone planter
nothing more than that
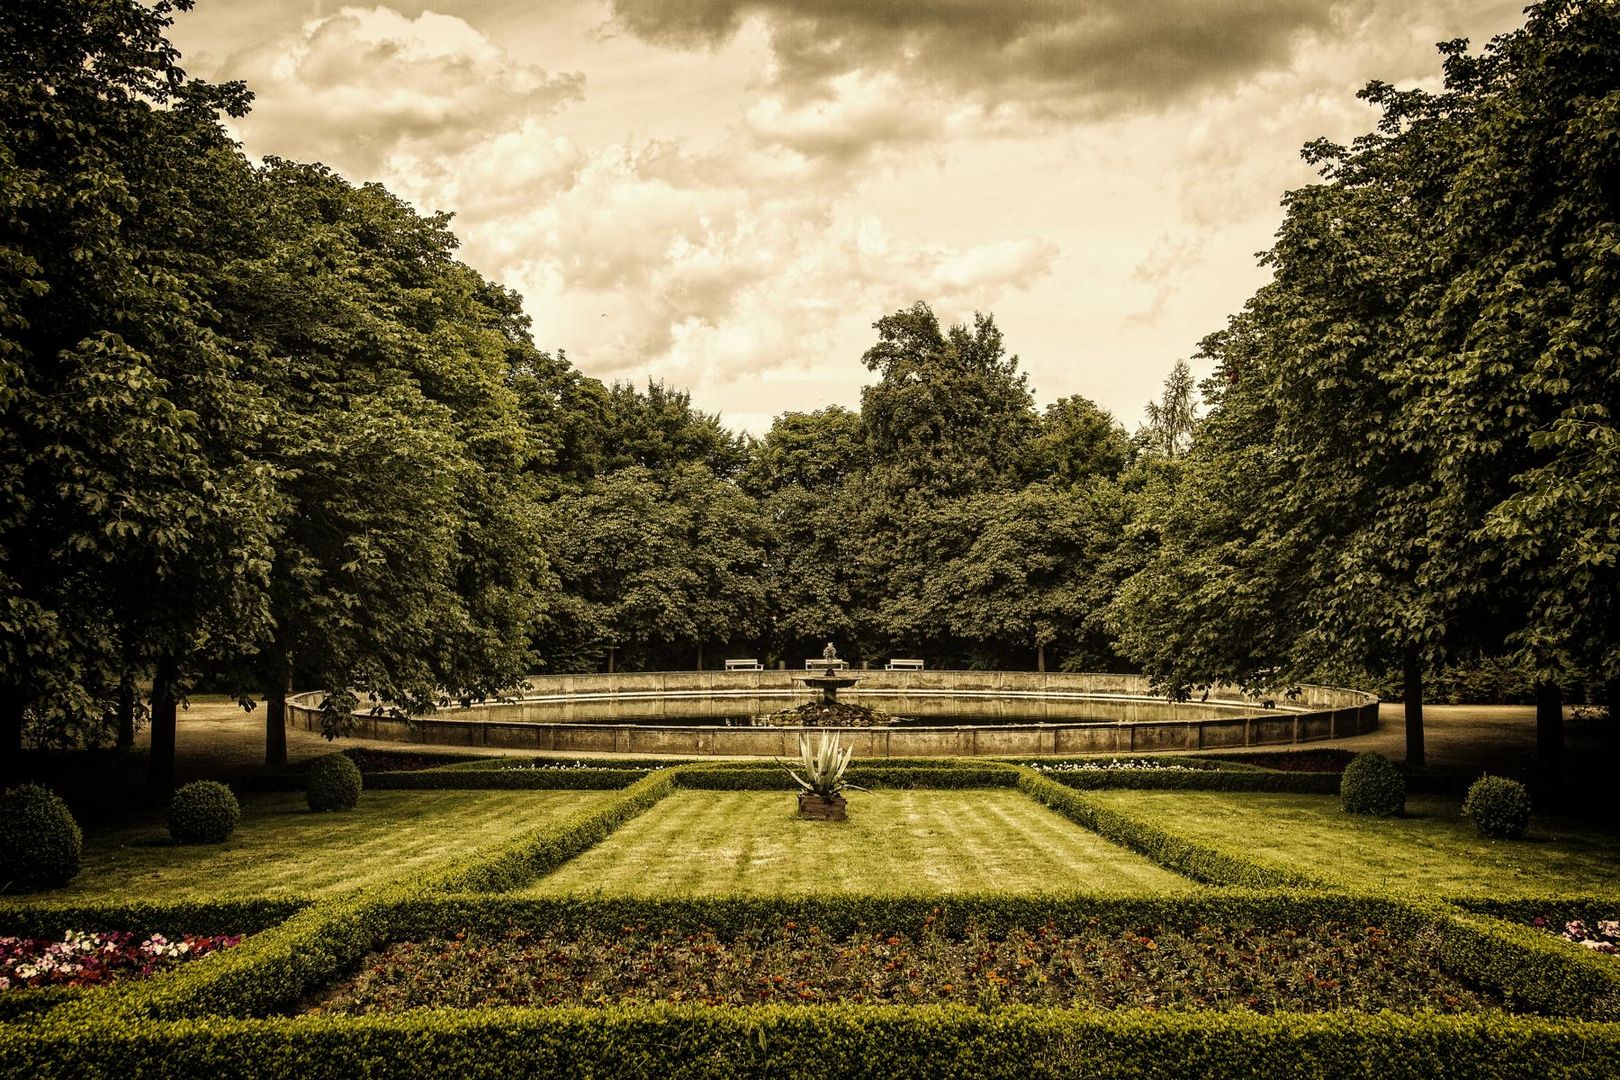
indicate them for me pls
(821, 808)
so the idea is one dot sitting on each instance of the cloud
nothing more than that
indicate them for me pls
(355, 88)
(1047, 56)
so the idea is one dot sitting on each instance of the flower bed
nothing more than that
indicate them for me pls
(1602, 938)
(83, 958)
(1332, 966)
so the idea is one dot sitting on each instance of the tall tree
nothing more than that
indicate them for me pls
(951, 412)
(131, 530)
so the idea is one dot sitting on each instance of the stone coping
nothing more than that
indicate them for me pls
(535, 719)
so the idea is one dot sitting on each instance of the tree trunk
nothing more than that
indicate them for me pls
(700, 656)
(11, 727)
(1412, 701)
(1611, 699)
(126, 711)
(1040, 658)
(160, 764)
(1549, 735)
(610, 659)
(275, 714)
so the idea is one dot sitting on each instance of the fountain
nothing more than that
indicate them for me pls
(829, 711)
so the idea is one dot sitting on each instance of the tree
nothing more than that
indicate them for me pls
(131, 533)
(1171, 419)
(660, 566)
(950, 413)
(406, 554)
(815, 450)
(1076, 442)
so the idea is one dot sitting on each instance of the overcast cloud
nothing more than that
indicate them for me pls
(726, 195)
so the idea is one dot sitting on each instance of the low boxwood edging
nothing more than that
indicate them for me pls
(874, 776)
(1015, 1043)
(1201, 862)
(840, 915)
(516, 779)
(243, 916)
(1235, 779)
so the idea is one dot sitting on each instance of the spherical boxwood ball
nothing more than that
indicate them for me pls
(334, 783)
(1500, 807)
(204, 812)
(39, 840)
(1373, 784)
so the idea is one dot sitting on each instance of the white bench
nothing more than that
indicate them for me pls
(826, 665)
(744, 665)
(904, 665)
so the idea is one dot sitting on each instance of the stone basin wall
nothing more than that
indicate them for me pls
(555, 713)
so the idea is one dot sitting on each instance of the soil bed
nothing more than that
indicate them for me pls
(1332, 966)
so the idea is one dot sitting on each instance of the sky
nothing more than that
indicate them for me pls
(727, 194)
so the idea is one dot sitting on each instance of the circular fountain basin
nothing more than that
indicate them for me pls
(943, 714)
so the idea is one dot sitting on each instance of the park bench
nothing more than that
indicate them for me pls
(744, 665)
(826, 665)
(904, 665)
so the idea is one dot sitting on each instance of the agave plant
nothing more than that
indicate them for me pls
(824, 765)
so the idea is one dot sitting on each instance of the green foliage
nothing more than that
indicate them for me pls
(39, 840)
(824, 763)
(1305, 783)
(1201, 862)
(868, 775)
(1499, 807)
(333, 782)
(511, 779)
(1372, 784)
(203, 812)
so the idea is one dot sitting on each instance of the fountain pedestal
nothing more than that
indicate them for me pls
(828, 684)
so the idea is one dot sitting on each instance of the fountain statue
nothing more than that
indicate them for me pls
(826, 680)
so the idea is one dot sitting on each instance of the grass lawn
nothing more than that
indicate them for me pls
(282, 848)
(714, 843)
(1433, 851)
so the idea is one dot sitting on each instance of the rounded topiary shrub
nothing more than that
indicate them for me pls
(203, 812)
(1373, 784)
(333, 783)
(1500, 807)
(39, 840)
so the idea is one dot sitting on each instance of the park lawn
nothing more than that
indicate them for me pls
(282, 848)
(1433, 851)
(895, 842)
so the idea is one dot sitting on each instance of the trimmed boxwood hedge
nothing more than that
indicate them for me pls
(1009, 1043)
(1232, 779)
(490, 779)
(1199, 861)
(872, 776)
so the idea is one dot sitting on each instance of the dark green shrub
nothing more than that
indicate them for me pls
(39, 840)
(1373, 784)
(1500, 807)
(333, 783)
(203, 812)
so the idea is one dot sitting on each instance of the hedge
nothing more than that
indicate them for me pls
(1199, 861)
(488, 779)
(1233, 779)
(683, 1041)
(210, 917)
(840, 915)
(872, 776)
